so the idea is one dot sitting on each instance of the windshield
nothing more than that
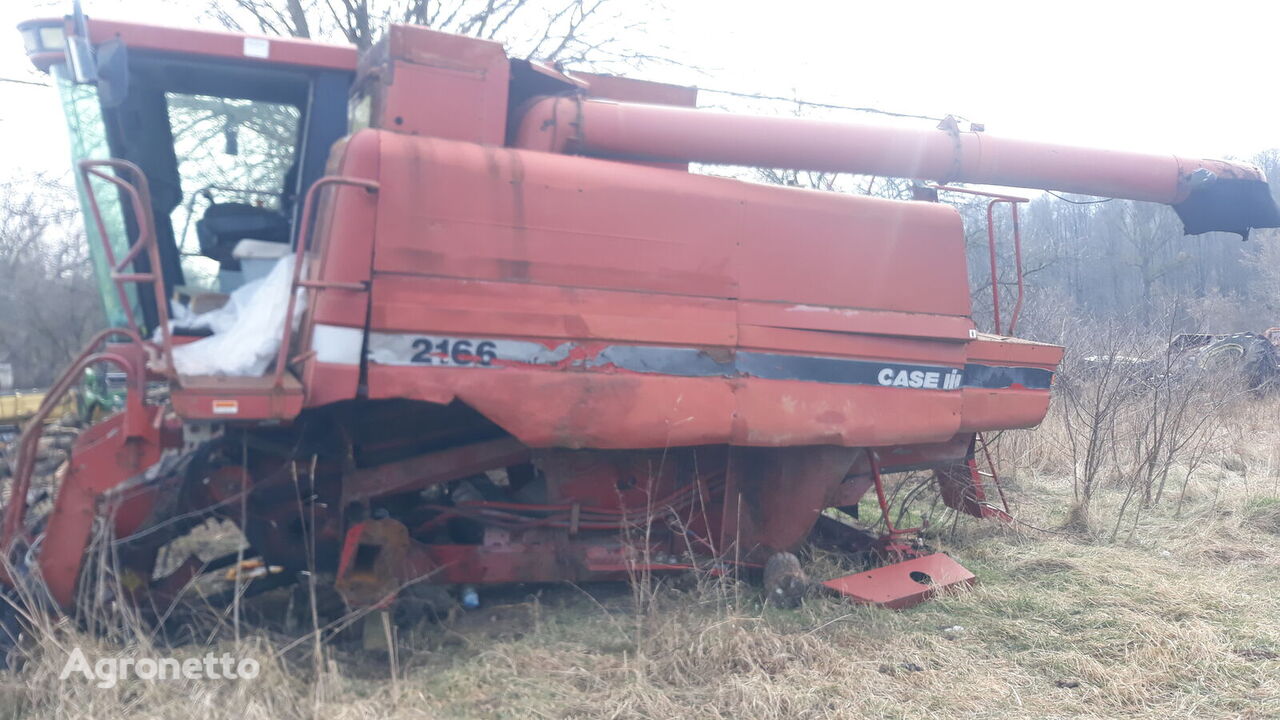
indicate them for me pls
(88, 135)
(229, 150)
(224, 147)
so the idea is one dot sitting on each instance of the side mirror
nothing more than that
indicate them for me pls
(84, 69)
(79, 52)
(108, 68)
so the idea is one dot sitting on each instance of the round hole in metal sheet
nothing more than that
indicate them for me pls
(922, 578)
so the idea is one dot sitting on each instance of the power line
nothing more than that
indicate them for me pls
(1079, 202)
(832, 106)
(754, 96)
(23, 82)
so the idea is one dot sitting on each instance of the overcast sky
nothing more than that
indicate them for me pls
(1192, 78)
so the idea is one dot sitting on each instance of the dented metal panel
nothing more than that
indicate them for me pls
(581, 303)
(904, 584)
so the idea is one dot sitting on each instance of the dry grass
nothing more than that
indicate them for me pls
(1177, 618)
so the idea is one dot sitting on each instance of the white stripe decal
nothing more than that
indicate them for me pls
(336, 344)
(494, 353)
(439, 350)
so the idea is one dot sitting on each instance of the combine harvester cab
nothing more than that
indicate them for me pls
(527, 344)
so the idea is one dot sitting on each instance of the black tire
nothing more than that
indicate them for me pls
(1253, 356)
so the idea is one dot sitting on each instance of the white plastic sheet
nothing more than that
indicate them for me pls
(246, 331)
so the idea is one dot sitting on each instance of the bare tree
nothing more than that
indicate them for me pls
(595, 33)
(49, 303)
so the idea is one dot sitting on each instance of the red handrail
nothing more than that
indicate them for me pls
(1013, 201)
(300, 251)
(136, 189)
(139, 194)
(28, 445)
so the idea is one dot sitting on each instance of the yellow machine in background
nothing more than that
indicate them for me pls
(16, 407)
(98, 394)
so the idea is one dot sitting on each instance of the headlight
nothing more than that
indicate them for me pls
(43, 38)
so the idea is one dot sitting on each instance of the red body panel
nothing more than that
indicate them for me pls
(903, 584)
(1014, 406)
(341, 253)
(233, 46)
(216, 397)
(103, 459)
(418, 64)
(478, 242)
(467, 211)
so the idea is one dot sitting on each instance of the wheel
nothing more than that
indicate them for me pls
(1253, 356)
(784, 581)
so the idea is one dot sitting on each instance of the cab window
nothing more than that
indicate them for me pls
(236, 163)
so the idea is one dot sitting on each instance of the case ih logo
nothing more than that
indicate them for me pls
(895, 377)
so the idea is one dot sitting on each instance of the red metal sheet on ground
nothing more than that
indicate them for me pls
(903, 584)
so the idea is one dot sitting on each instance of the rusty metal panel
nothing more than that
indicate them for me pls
(847, 251)
(1017, 375)
(903, 584)
(582, 303)
(868, 321)
(998, 350)
(447, 306)
(867, 345)
(575, 410)
(1002, 409)
(408, 77)
(806, 413)
(467, 211)
(611, 409)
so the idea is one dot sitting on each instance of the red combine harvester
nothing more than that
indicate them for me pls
(528, 345)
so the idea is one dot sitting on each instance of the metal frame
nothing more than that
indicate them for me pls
(1013, 201)
(303, 237)
(139, 194)
(15, 512)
